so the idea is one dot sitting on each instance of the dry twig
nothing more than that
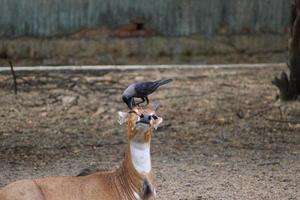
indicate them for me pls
(14, 77)
(282, 121)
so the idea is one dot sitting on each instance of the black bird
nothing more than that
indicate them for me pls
(141, 90)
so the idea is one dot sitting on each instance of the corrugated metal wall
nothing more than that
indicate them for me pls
(44, 18)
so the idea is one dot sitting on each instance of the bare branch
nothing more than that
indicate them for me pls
(14, 77)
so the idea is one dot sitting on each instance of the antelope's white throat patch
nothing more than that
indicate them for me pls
(140, 154)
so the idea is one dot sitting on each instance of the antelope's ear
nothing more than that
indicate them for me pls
(157, 122)
(155, 106)
(122, 117)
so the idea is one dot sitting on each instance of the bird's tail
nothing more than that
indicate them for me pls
(164, 81)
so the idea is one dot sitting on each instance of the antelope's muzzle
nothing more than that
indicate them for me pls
(145, 119)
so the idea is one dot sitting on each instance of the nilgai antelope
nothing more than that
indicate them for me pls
(132, 180)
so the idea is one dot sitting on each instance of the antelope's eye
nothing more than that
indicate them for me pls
(154, 117)
(149, 118)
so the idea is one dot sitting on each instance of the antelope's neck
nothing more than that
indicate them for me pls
(140, 157)
(135, 168)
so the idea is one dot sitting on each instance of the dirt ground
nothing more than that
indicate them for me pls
(224, 135)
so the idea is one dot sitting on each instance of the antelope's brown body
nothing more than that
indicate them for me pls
(124, 183)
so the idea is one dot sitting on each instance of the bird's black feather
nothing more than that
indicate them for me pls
(146, 88)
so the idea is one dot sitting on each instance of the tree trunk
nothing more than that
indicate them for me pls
(289, 87)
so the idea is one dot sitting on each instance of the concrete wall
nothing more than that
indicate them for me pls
(79, 32)
(46, 18)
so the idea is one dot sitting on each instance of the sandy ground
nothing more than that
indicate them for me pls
(224, 135)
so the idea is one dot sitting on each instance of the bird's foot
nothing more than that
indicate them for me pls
(142, 104)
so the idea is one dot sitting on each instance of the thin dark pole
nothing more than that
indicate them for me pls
(14, 77)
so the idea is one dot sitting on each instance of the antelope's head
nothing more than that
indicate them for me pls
(140, 123)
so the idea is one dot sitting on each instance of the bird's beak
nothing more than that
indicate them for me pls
(128, 102)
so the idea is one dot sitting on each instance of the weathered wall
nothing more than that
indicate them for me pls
(168, 17)
(55, 32)
(150, 50)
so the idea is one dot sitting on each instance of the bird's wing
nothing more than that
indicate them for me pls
(146, 88)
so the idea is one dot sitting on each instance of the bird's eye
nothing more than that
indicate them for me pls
(141, 116)
(154, 117)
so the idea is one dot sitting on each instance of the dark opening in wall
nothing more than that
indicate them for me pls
(140, 26)
(133, 29)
